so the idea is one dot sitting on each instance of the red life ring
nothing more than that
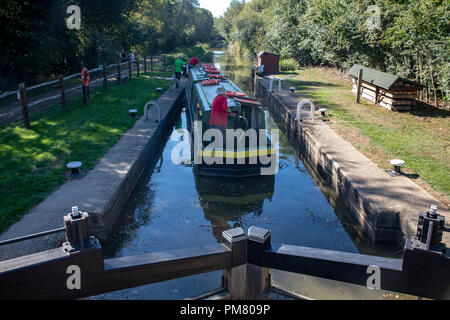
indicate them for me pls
(208, 66)
(216, 76)
(210, 82)
(233, 94)
(85, 80)
(212, 71)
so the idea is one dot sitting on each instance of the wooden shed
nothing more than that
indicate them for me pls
(270, 61)
(389, 91)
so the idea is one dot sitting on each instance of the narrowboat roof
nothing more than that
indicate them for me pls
(208, 93)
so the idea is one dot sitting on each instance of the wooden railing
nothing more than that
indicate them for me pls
(102, 74)
(246, 262)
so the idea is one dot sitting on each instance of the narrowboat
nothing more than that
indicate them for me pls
(251, 152)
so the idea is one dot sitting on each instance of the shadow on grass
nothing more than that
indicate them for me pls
(423, 109)
(32, 162)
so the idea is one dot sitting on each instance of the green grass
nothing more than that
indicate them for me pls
(32, 162)
(422, 141)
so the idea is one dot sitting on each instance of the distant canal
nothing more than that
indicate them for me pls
(173, 209)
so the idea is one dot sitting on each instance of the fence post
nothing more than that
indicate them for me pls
(105, 79)
(23, 101)
(63, 93)
(119, 77)
(234, 279)
(258, 278)
(145, 64)
(164, 62)
(137, 66)
(85, 86)
(151, 64)
(358, 90)
(129, 69)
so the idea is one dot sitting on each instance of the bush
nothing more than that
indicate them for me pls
(202, 52)
(289, 64)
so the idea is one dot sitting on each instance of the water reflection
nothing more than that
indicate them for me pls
(229, 199)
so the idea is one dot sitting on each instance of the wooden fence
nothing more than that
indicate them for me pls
(63, 89)
(246, 261)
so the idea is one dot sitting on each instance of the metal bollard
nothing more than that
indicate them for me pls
(425, 256)
(76, 228)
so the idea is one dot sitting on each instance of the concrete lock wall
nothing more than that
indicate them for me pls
(101, 223)
(386, 208)
(104, 191)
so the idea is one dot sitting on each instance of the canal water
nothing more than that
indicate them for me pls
(172, 208)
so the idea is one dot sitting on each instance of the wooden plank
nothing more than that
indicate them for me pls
(23, 102)
(105, 78)
(397, 107)
(63, 93)
(137, 66)
(369, 95)
(352, 268)
(44, 275)
(129, 70)
(390, 93)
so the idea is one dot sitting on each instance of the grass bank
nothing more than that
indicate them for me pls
(32, 162)
(420, 138)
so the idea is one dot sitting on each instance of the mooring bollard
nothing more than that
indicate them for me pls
(74, 167)
(133, 113)
(234, 279)
(398, 164)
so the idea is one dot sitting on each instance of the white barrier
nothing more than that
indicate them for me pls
(157, 107)
(271, 84)
(300, 106)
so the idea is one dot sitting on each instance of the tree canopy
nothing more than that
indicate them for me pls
(37, 45)
(412, 39)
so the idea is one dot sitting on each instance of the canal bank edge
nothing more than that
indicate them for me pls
(386, 208)
(104, 191)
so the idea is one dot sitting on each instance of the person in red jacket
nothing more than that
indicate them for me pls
(219, 112)
(194, 61)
